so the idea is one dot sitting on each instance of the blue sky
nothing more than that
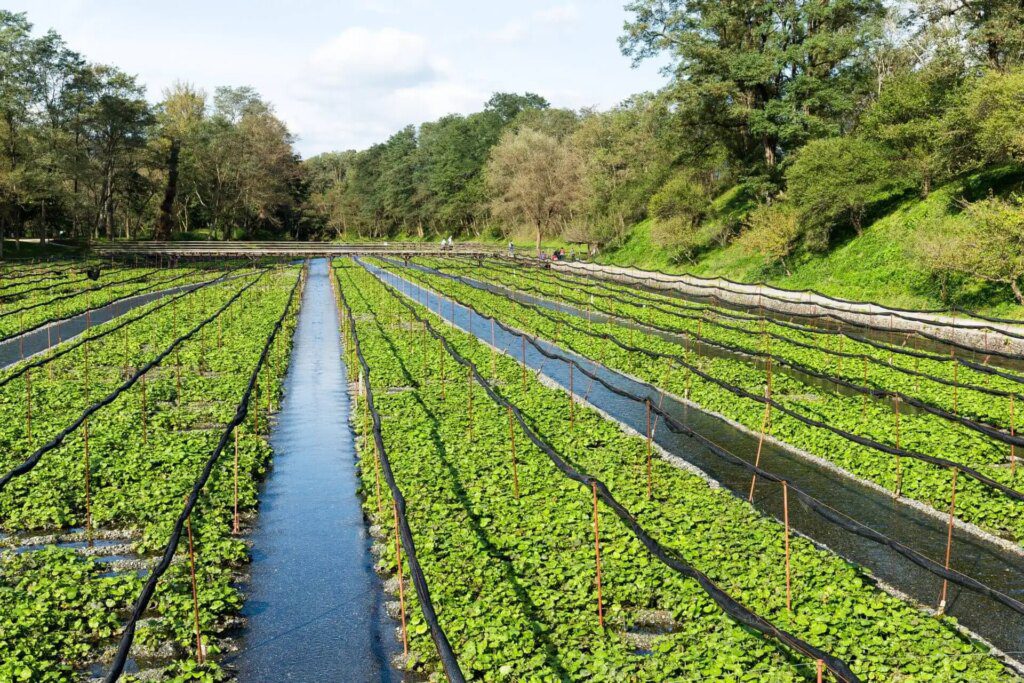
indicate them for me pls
(347, 73)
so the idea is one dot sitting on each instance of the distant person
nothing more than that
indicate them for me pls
(511, 250)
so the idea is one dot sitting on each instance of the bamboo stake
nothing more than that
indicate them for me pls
(597, 558)
(1013, 432)
(145, 416)
(234, 526)
(785, 518)
(899, 462)
(88, 483)
(949, 541)
(515, 466)
(28, 404)
(572, 400)
(650, 484)
(200, 653)
(469, 399)
(523, 338)
(401, 582)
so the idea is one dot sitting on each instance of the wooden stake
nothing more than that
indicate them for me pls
(200, 653)
(785, 519)
(401, 583)
(597, 558)
(469, 399)
(820, 665)
(28, 404)
(572, 400)
(440, 348)
(1013, 432)
(899, 462)
(650, 484)
(512, 444)
(949, 541)
(760, 446)
(88, 484)
(145, 416)
(234, 526)
(523, 338)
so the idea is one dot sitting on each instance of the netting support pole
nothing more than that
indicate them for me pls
(401, 580)
(88, 483)
(572, 400)
(469, 399)
(650, 483)
(523, 338)
(820, 665)
(949, 541)
(494, 353)
(899, 462)
(1013, 448)
(145, 416)
(200, 655)
(785, 519)
(512, 445)
(234, 526)
(440, 348)
(28, 404)
(597, 557)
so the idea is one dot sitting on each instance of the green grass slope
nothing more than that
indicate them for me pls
(879, 265)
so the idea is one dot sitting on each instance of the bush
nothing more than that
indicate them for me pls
(680, 197)
(772, 231)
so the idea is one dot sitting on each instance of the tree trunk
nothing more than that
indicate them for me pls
(769, 151)
(1015, 286)
(538, 239)
(164, 221)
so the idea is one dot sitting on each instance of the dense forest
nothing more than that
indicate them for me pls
(783, 128)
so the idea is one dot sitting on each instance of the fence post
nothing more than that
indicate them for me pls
(949, 540)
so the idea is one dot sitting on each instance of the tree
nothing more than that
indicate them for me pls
(765, 76)
(985, 242)
(533, 178)
(992, 120)
(181, 115)
(833, 181)
(994, 29)
(908, 118)
(509, 105)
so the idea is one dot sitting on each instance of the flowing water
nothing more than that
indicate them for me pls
(314, 605)
(993, 565)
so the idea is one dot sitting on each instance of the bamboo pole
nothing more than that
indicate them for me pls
(512, 444)
(401, 582)
(785, 517)
(949, 541)
(597, 557)
(200, 653)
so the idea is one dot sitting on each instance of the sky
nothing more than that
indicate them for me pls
(344, 74)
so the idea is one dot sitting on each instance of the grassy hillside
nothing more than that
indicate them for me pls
(879, 265)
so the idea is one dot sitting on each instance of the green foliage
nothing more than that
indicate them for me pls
(834, 181)
(720, 534)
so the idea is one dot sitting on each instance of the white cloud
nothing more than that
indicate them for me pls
(559, 16)
(374, 57)
(361, 86)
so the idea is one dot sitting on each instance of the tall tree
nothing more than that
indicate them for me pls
(766, 75)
